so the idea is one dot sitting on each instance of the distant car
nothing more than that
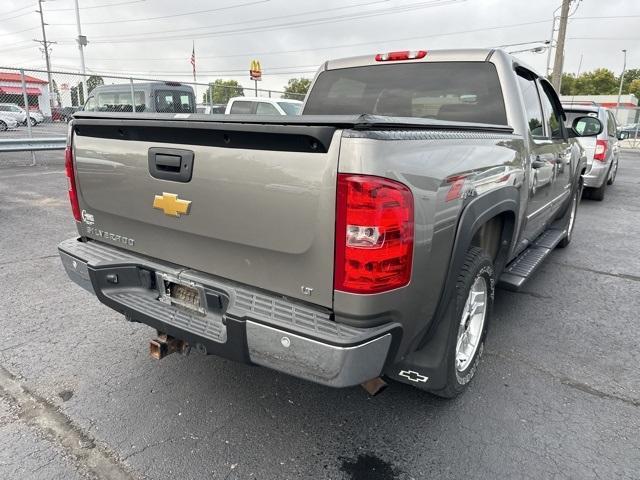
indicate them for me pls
(628, 134)
(36, 117)
(602, 150)
(216, 109)
(7, 122)
(263, 106)
(14, 111)
(63, 114)
(150, 97)
(20, 114)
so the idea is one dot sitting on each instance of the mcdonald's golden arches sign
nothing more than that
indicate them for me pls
(255, 72)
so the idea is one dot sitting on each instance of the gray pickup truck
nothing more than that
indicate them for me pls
(361, 239)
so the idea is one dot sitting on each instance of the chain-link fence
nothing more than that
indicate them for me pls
(628, 126)
(37, 103)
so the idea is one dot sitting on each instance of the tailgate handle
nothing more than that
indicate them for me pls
(172, 164)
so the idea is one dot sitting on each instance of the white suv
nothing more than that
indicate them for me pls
(20, 114)
(263, 106)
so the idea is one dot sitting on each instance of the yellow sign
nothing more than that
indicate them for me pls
(255, 72)
(171, 205)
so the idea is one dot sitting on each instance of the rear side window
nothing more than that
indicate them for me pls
(532, 106)
(117, 102)
(456, 91)
(264, 108)
(553, 118)
(242, 107)
(174, 101)
(611, 125)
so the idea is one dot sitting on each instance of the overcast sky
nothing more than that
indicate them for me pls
(291, 38)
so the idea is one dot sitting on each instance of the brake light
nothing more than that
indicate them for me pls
(73, 193)
(601, 150)
(374, 234)
(404, 55)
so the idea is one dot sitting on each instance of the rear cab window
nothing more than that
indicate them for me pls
(242, 107)
(455, 91)
(116, 102)
(174, 101)
(265, 108)
(532, 106)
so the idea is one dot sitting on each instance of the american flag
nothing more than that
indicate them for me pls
(193, 59)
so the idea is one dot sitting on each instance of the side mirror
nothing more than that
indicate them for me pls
(586, 127)
(623, 135)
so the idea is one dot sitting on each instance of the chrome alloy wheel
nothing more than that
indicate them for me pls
(471, 324)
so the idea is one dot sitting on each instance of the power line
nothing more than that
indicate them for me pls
(128, 2)
(344, 45)
(18, 16)
(17, 9)
(229, 7)
(244, 22)
(303, 23)
(18, 31)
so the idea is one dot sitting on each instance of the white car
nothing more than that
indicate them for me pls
(263, 106)
(7, 122)
(20, 114)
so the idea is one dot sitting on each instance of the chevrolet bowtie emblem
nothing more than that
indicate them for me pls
(171, 205)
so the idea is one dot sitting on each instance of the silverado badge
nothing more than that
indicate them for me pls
(171, 205)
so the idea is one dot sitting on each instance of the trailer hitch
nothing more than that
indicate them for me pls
(165, 345)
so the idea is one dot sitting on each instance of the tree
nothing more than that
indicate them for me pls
(93, 81)
(599, 82)
(634, 87)
(297, 88)
(221, 91)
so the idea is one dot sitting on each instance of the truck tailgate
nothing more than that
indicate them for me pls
(262, 208)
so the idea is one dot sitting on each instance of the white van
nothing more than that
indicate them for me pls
(263, 106)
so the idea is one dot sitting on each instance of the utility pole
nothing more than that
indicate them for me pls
(82, 40)
(624, 68)
(45, 45)
(556, 76)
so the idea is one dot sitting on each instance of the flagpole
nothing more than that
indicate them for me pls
(193, 62)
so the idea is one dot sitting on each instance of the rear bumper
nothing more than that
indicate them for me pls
(238, 322)
(596, 175)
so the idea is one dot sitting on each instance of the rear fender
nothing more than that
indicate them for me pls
(428, 358)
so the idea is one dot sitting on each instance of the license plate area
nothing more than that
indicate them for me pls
(186, 295)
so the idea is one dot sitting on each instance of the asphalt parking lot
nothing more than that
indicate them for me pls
(557, 395)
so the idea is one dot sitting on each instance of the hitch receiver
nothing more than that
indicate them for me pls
(165, 345)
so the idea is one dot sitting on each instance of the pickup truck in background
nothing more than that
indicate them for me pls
(364, 238)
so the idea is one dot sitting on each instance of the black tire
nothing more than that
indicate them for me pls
(597, 194)
(477, 264)
(32, 121)
(3, 126)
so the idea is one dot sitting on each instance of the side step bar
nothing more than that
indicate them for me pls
(524, 265)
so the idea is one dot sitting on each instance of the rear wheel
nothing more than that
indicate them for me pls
(598, 193)
(470, 313)
(33, 122)
(3, 126)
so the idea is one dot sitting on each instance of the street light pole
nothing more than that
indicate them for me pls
(624, 68)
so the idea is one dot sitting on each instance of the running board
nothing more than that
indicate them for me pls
(524, 265)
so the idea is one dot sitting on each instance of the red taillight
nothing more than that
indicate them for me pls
(73, 193)
(601, 150)
(374, 234)
(404, 55)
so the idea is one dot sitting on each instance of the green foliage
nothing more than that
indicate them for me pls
(601, 81)
(634, 87)
(221, 91)
(297, 88)
(93, 81)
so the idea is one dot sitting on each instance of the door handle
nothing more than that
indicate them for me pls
(173, 164)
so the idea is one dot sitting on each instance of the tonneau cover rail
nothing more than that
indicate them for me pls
(363, 122)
